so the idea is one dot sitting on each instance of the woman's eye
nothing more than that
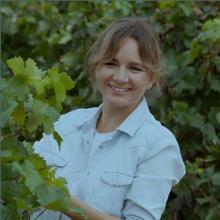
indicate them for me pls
(110, 64)
(136, 69)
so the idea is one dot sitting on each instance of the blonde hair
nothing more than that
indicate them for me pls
(109, 41)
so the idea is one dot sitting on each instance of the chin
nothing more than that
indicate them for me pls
(118, 101)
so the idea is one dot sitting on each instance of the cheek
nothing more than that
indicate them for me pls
(139, 80)
(103, 75)
(101, 79)
(147, 81)
(99, 75)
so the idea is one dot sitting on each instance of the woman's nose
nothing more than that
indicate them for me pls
(121, 75)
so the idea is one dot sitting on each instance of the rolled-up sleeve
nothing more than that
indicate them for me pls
(160, 169)
(46, 144)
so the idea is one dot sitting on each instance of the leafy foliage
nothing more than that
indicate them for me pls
(58, 34)
(31, 101)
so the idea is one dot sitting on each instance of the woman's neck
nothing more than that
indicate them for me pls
(111, 118)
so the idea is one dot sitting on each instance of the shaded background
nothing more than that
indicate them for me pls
(58, 33)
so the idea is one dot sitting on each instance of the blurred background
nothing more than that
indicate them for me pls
(59, 33)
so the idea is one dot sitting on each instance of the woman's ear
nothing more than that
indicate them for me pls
(151, 81)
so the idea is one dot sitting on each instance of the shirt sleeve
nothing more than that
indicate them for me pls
(160, 169)
(46, 143)
(48, 148)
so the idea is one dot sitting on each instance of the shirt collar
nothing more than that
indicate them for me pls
(90, 120)
(136, 118)
(130, 125)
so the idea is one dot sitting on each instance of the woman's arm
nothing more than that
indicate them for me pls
(92, 213)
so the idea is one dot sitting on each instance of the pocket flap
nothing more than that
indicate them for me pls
(116, 178)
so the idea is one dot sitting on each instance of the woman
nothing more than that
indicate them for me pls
(119, 161)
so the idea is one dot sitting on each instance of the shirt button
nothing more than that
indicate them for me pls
(88, 142)
(88, 173)
(100, 147)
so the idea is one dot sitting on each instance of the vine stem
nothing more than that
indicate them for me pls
(13, 134)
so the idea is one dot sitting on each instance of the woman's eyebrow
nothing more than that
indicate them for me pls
(138, 64)
(114, 60)
(131, 63)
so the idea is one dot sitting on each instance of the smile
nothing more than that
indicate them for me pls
(116, 89)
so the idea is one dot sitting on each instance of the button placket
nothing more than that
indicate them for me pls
(92, 159)
(88, 141)
(101, 146)
(94, 152)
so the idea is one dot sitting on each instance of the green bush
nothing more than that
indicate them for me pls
(59, 34)
(31, 99)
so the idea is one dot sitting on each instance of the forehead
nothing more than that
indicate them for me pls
(116, 44)
(128, 49)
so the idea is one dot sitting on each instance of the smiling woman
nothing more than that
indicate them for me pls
(115, 36)
(119, 161)
(124, 80)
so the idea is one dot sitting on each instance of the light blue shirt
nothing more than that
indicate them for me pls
(129, 174)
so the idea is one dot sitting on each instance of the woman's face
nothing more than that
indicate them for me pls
(124, 80)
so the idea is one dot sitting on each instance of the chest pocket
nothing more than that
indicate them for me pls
(116, 178)
(54, 159)
(111, 193)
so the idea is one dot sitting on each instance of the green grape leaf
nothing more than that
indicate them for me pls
(9, 212)
(59, 91)
(52, 197)
(211, 30)
(47, 124)
(211, 133)
(14, 189)
(218, 117)
(58, 138)
(42, 108)
(166, 4)
(20, 203)
(216, 179)
(65, 38)
(16, 87)
(186, 7)
(53, 73)
(40, 113)
(41, 85)
(6, 111)
(19, 115)
(58, 87)
(6, 153)
(16, 64)
(32, 122)
(60, 182)
(67, 81)
(32, 177)
(32, 70)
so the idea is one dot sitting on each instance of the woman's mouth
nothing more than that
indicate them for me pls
(118, 89)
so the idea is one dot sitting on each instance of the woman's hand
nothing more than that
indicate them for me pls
(91, 213)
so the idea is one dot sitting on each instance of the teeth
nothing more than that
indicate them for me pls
(119, 89)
